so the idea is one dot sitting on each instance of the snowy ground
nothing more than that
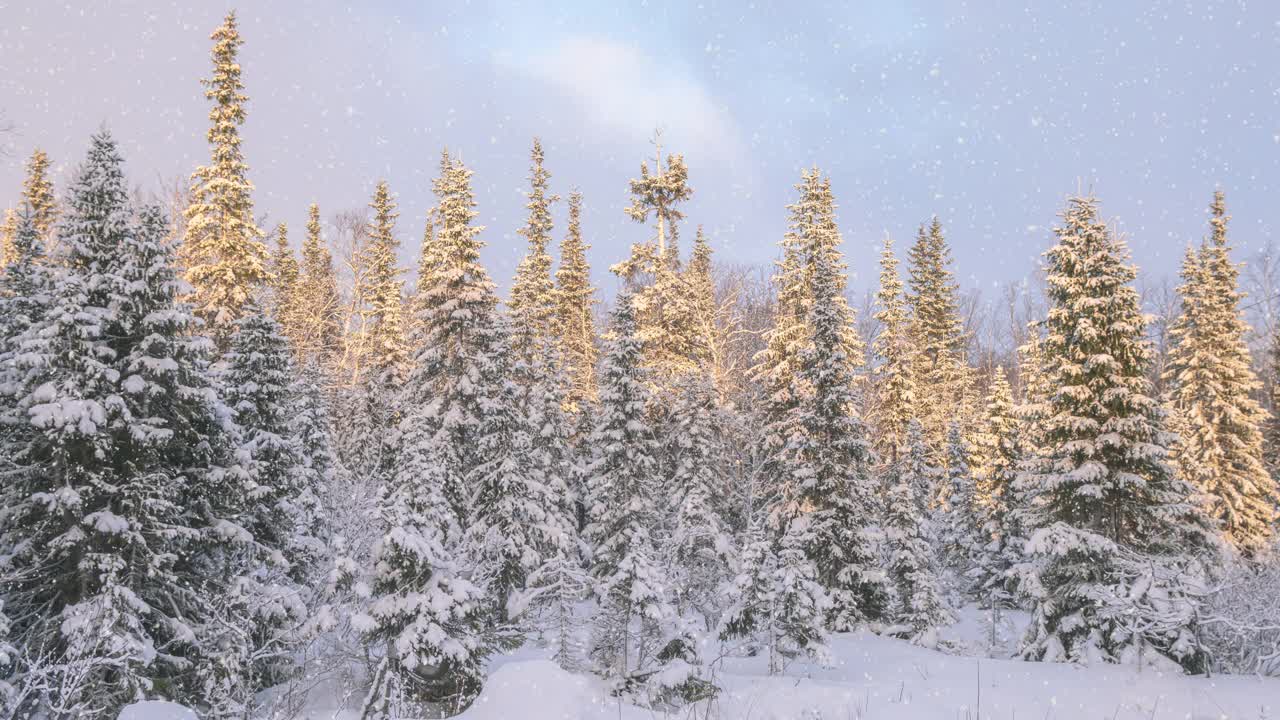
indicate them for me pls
(875, 678)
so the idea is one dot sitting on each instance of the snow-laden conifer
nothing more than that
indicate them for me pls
(631, 584)
(941, 376)
(574, 318)
(998, 453)
(919, 609)
(107, 498)
(425, 620)
(832, 457)
(1212, 387)
(701, 547)
(894, 378)
(1108, 509)
(225, 259)
(961, 510)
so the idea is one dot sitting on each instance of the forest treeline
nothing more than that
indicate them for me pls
(229, 466)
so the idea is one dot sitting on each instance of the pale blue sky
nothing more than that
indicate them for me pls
(985, 113)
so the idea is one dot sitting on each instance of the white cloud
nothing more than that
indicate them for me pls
(621, 91)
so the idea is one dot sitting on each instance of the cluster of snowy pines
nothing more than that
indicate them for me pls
(222, 473)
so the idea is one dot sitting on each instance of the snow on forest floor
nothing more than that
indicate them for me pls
(874, 678)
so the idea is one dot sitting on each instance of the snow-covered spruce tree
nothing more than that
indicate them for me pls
(424, 618)
(37, 193)
(103, 500)
(999, 453)
(832, 456)
(776, 599)
(631, 584)
(283, 281)
(8, 228)
(435, 623)
(385, 346)
(379, 357)
(941, 376)
(542, 550)
(962, 511)
(316, 300)
(663, 309)
(894, 378)
(701, 546)
(777, 366)
(1212, 388)
(533, 301)
(25, 286)
(260, 618)
(1032, 408)
(1114, 531)
(918, 608)
(811, 226)
(459, 366)
(223, 254)
(574, 318)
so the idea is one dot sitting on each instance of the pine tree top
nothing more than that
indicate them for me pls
(37, 191)
(533, 301)
(1105, 469)
(225, 260)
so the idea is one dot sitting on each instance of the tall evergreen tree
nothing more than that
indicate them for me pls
(574, 317)
(385, 349)
(223, 253)
(940, 373)
(1106, 498)
(37, 192)
(103, 501)
(833, 456)
(919, 609)
(811, 232)
(895, 382)
(533, 299)
(1212, 382)
(533, 517)
(999, 452)
(284, 283)
(316, 300)
(662, 298)
(8, 231)
(459, 367)
(435, 621)
(630, 584)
